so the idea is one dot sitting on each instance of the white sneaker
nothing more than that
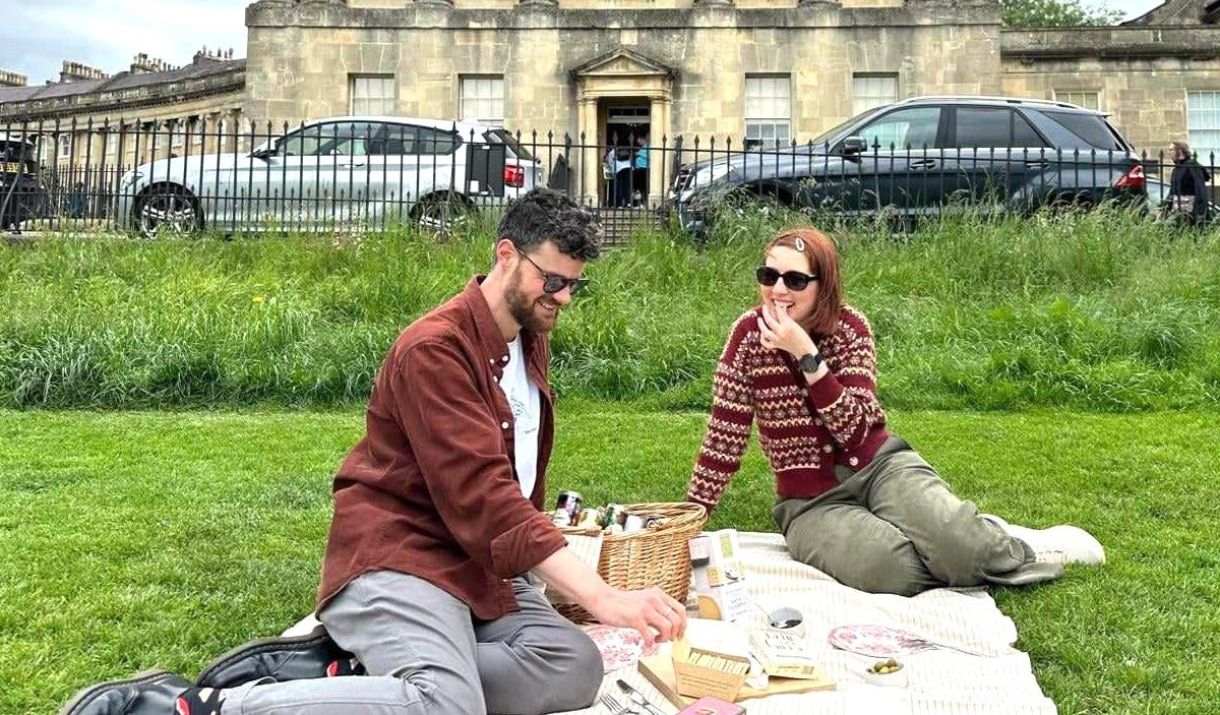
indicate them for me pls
(1063, 543)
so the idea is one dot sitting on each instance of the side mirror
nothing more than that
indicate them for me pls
(263, 152)
(854, 145)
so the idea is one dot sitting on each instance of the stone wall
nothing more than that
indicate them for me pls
(301, 57)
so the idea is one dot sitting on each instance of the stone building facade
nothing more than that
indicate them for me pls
(732, 72)
(151, 110)
(723, 70)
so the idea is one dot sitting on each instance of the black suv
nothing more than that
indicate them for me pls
(923, 156)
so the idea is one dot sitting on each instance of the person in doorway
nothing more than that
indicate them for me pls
(853, 499)
(1188, 197)
(438, 519)
(639, 194)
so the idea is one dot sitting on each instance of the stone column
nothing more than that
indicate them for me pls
(590, 152)
(659, 126)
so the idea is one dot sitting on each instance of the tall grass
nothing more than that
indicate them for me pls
(1100, 311)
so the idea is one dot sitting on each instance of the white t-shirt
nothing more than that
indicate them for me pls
(526, 404)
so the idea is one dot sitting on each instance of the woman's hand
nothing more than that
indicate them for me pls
(781, 332)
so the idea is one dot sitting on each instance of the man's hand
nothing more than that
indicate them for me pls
(652, 612)
(781, 332)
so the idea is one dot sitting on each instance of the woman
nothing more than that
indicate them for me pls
(1188, 185)
(853, 500)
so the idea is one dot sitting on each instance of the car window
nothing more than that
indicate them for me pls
(503, 137)
(1091, 130)
(993, 127)
(332, 139)
(913, 128)
(436, 141)
(394, 140)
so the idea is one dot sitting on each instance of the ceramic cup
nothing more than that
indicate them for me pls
(786, 620)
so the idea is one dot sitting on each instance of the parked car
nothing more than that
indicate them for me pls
(22, 195)
(329, 172)
(926, 155)
(1158, 198)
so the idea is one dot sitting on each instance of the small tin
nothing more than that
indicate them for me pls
(560, 517)
(570, 502)
(653, 520)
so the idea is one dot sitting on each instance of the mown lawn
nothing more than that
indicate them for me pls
(138, 540)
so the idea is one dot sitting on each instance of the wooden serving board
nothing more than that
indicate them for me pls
(659, 669)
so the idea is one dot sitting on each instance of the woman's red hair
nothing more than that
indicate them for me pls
(823, 263)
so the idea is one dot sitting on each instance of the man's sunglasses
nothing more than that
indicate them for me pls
(795, 280)
(552, 283)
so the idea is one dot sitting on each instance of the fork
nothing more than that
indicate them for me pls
(616, 707)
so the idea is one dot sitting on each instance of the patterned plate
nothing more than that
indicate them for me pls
(877, 641)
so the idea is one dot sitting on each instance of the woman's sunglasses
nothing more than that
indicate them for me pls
(553, 283)
(795, 280)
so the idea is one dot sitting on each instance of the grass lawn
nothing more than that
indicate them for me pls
(139, 540)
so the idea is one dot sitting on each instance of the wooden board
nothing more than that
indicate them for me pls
(659, 669)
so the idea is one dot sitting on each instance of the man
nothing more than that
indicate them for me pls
(438, 518)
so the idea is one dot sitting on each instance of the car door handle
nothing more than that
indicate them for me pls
(1037, 164)
(350, 166)
(922, 164)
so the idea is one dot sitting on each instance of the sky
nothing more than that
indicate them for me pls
(37, 35)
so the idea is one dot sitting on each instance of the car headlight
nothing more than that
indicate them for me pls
(703, 178)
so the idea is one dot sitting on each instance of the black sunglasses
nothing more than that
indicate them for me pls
(552, 283)
(795, 280)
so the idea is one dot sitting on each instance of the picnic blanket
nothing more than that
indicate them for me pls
(940, 682)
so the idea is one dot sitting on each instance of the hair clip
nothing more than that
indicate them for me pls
(800, 245)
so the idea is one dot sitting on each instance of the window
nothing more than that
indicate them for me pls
(177, 133)
(65, 146)
(112, 142)
(873, 90)
(993, 128)
(768, 111)
(1203, 126)
(913, 128)
(334, 139)
(372, 95)
(1081, 98)
(483, 100)
(1090, 131)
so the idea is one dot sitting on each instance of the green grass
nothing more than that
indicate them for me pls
(141, 540)
(1099, 312)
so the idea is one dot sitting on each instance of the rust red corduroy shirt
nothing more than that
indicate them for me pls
(430, 490)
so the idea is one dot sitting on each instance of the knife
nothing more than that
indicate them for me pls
(638, 698)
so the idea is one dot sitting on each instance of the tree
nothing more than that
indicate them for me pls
(1055, 13)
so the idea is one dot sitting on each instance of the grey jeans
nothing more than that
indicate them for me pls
(427, 655)
(895, 527)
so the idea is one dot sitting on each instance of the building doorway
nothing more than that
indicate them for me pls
(625, 154)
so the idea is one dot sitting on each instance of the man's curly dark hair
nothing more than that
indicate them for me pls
(548, 215)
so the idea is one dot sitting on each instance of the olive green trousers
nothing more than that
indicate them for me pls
(896, 527)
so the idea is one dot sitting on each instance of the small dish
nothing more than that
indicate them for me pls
(886, 673)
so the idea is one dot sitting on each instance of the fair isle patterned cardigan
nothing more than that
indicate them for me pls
(804, 430)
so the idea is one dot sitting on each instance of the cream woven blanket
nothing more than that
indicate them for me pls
(940, 682)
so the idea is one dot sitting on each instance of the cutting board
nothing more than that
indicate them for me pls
(659, 669)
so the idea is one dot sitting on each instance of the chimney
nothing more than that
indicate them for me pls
(13, 79)
(79, 72)
(143, 64)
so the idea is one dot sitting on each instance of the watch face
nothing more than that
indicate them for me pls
(809, 363)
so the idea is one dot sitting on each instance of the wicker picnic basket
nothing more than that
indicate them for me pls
(657, 556)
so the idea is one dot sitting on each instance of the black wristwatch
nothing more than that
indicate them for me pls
(810, 362)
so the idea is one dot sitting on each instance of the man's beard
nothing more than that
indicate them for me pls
(524, 312)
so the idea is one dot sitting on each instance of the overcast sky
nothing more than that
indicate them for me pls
(37, 35)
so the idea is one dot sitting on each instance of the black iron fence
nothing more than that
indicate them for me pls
(147, 177)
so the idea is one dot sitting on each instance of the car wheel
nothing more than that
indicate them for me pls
(440, 214)
(167, 209)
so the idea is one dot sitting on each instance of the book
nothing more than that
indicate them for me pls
(783, 655)
(712, 706)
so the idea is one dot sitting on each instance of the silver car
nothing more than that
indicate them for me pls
(330, 173)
